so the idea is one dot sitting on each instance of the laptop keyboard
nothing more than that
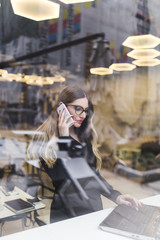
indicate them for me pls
(141, 216)
(130, 220)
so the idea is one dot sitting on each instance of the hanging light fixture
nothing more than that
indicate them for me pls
(101, 71)
(147, 63)
(40, 81)
(101, 58)
(51, 80)
(143, 53)
(2, 79)
(75, 1)
(37, 10)
(20, 78)
(122, 66)
(141, 41)
(3, 72)
(33, 79)
(12, 76)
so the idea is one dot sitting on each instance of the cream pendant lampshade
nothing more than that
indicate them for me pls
(75, 1)
(143, 53)
(141, 41)
(3, 72)
(37, 10)
(56, 78)
(122, 67)
(147, 63)
(101, 71)
(39, 81)
(10, 77)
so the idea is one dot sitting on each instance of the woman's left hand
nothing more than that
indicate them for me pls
(128, 200)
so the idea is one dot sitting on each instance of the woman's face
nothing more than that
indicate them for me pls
(78, 109)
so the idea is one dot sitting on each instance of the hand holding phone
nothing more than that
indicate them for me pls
(66, 112)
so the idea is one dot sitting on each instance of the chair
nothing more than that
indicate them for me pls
(79, 175)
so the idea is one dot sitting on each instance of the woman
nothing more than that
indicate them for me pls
(78, 127)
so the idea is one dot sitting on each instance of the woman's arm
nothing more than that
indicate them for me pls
(113, 193)
(119, 198)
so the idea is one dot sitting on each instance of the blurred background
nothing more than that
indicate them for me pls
(40, 56)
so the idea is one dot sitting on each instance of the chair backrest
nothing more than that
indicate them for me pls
(79, 172)
(71, 154)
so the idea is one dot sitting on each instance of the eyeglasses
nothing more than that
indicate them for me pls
(79, 110)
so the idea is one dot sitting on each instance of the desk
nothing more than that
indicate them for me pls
(80, 228)
(17, 193)
(6, 213)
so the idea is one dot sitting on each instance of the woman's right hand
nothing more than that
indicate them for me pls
(129, 200)
(64, 122)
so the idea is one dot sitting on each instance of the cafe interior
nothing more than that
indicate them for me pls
(111, 49)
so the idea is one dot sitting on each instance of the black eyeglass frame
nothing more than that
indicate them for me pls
(84, 110)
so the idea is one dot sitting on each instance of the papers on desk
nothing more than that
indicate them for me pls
(19, 206)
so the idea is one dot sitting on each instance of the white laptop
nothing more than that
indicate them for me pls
(143, 224)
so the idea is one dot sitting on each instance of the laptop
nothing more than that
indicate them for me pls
(126, 221)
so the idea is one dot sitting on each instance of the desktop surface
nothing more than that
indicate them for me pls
(83, 227)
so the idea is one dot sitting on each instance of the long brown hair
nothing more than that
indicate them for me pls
(85, 132)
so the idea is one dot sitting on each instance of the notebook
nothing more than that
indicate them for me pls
(126, 221)
(19, 206)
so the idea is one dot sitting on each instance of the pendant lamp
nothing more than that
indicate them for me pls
(143, 54)
(122, 66)
(147, 63)
(37, 10)
(141, 41)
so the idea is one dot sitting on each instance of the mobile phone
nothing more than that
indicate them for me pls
(61, 107)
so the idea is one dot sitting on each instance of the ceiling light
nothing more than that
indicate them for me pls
(101, 71)
(33, 79)
(143, 53)
(75, 1)
(37, 10)
(20, 78)
(122, 66)
(147, 63)
(34, 82)
(11, 76)
(48, 80)
(141, 41)
(38, 80)
(2, 79)
(3, 72)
